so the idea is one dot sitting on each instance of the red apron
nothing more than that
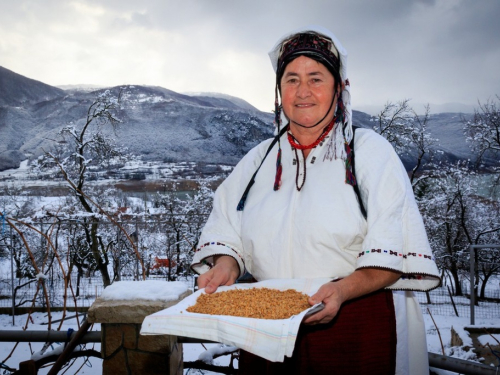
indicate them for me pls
(361, 339)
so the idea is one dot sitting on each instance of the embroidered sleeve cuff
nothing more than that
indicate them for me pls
(419, 270)
(420, 273)
(203, 257)
(416, 282)
(380, 258)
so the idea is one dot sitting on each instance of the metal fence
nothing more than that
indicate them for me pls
(82, 295)
(442, 302)
(156, 238)
(487, 258)
(30, 295)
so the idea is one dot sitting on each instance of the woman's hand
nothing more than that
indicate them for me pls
(332, 296)
(357, 284)
(224, 272)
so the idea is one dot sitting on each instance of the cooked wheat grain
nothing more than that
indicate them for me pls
(260, 303)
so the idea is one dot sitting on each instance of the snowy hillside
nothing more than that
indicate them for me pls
(159, 125)
(17, 90)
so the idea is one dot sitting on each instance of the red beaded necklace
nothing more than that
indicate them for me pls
(296, 147)
(323, 135)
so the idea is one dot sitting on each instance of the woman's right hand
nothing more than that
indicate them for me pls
(224, 272)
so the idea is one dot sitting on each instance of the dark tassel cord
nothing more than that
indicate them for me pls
(298, 172)
(279, 170)
(297, 146)
(241, 203)
(349, 176)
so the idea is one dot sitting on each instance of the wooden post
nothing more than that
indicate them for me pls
(123, 349)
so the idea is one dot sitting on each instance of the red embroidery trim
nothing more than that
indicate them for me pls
(323, 135)
(218, 244)
(390, 252)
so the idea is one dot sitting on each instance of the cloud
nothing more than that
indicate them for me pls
(434, 51)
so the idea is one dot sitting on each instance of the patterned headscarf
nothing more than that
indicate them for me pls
(311, 45)
(321, 45)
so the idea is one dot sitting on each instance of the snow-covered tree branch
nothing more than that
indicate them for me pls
(483, 132)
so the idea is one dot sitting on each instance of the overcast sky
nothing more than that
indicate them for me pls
(430, 51)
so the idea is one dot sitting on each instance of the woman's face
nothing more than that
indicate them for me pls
(307, 90)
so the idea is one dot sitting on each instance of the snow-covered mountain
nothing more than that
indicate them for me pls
(82, 87)
(158, 124)
(17, 90)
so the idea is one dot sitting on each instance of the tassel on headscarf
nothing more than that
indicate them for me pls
(277, 121)
(339, 144)
(347, 111)
(348, 134)
(279, 170)
(336, 143)
(349, 176)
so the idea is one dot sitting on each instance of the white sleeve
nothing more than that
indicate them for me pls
(396, 238)
(221, 234)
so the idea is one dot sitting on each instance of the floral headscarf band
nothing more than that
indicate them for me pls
(312, 45)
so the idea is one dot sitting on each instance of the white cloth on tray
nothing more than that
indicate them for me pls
(272, 339)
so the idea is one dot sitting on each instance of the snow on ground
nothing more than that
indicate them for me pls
(205, 352)
(489, 339)
(152, 171)
(22, 171)
(24, 351)
(444, 325)
(192, 352)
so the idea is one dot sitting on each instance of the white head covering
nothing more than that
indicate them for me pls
(346, 95)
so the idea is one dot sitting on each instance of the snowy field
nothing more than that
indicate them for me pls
(92, 366)
(24, 351)
(150, 171)
(487, 317)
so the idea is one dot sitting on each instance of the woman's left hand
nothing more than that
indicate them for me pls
(331, 296)
(357, 284)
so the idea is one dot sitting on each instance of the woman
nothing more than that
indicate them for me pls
(300, 218)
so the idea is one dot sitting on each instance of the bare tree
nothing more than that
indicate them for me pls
(456, 216)
(172, 209)
(80, 149)
(483, 132)
(423, 144)
(184, 218)
(392, 123)
(408, 134)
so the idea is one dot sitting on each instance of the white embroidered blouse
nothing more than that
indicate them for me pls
(319, 231)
